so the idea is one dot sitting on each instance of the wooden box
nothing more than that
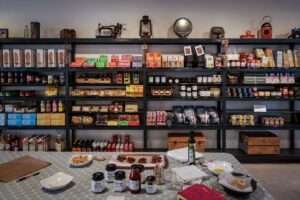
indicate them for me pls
(265, 143)
(180, 140)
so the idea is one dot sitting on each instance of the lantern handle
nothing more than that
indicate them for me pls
(266, 19)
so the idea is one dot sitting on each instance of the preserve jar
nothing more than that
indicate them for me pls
(134, 180)
(120, 181)
(141, 170)
(110, 173)
(98, 184)
(151, 186)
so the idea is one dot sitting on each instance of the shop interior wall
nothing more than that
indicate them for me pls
(83, 16)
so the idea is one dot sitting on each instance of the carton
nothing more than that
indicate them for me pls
(14, 122)
(30, 60)
(43, 122)
(52, 58)
(7, 58)
(61, 58)
(29, 122)
(18, 58)
(41, 57)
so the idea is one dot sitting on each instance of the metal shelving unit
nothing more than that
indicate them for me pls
(286, 155)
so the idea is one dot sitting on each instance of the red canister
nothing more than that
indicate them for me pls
(285, 91)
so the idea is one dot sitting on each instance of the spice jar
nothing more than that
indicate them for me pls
(183, 87)
(120, 181)
(134, 180)
(98, 184)
(150, 79)
(110, 173)
(151, 186)
(183, 93)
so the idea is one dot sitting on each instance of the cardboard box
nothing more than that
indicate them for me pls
(290, 58)
(58, 122)
(31, 116)
(61, 58)
(7, 58)
(254, 143)
(14, 116)
(42, 116)
(43, 122)
(28, 122)
(30, 58)
(18, 58)
(279, 59)
(42, 57)
(13, 122)
(57, 116)
(52, 58)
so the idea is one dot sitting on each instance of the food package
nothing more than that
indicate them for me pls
(18, 57)
(189, 115)
(43, 116)
(269, 54)
(131, 107)
(41, 57)
(296, 57)
(279, 59)
(123, 120)
(57, 116)
(1, 58)
(61, 58)
(178, 115)
(112, 120)
(104, 108)
(7, 58)
(136, 61)
(76, 108)
(290, 58)
(52, 58)
(95, 108)
(134, 120)
(286, 63)
(164, 61)
(209, 61)
(151, 118)
(85, 108)
(77, 93)
(51, 91)
(101, 120)
(259, 53)
(265, 61)
(2, 119)
(76, 119)
(30, 59)
(43, 122)
(87, 120)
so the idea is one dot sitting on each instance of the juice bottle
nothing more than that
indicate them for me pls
(135, 180)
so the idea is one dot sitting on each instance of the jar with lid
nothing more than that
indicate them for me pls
(163, 79)
(10, 77)
(151, 186)
(110, 173)
(48, 107)
(134, 180)
(150, 79)
(157, 79)
(98, 183)
(3, 78)
(120, 181)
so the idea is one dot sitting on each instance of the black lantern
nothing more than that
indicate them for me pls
(145, 27)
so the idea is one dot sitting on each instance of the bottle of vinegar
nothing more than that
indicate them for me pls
(191, 149)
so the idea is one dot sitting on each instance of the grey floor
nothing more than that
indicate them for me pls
(281, 180)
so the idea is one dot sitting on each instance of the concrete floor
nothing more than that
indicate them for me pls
(281, 180)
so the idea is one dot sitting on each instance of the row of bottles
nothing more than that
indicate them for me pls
(9, 143)
(47, 106)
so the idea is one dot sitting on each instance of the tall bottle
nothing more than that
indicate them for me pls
(191, 149)
(26, 32)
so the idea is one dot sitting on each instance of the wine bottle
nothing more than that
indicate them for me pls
(191, 149)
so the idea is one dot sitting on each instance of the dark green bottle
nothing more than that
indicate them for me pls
(191, 149)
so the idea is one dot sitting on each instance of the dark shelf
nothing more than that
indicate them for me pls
(262, 99)
(183, 70)
(286, 155)
(32, 98)
(82, 127)
(183, 99)
(105, 98)
(106, 113)
(31, 127)
(261, 84)
(34, 69)
(286, 126)
(103, 84)
(262, 113)
(104, 69)
(186, 127)
(292, 69)
(179, 84)
(30, 85)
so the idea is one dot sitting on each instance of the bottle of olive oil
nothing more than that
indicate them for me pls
(191, 149)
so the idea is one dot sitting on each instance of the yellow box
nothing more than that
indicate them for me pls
(58, 116)
(55, 122)
(43, 116)
(43, 122)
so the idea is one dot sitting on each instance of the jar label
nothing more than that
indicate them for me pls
(134, 185)
(109, 176)
(120, 185)
(151, 188)
(98, 186)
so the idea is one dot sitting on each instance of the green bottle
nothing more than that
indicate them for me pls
(191, 149)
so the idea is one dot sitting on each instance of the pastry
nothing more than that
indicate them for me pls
(76, 120)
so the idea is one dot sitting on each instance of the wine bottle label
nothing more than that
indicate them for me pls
(134, 185)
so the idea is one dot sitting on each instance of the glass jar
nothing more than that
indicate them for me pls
(134, 180)
(151, 186)
(48, 107)
(42, 107)
(3, 78)
(10, 78)
(150, 79)
(110, 173)
(141, 170)
(120, 181)
(98, 184)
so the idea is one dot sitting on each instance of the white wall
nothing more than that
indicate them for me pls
(234, 15)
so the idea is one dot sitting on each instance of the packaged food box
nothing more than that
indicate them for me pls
(18, 58)
(1, 58)
(58, 122)
(31, 116)
(43, 122)
(52, 58)
(136, 61)
(131, 107)
(14, 122)
(2, 119)
(14, 116)
(61, 58)
(43, 116)
(28, 122)
(7, 58)
(41, 57)
(30, 58)
(57, 116)
(9, 108)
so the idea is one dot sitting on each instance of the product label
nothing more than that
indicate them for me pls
(134, 185)
(191, 152)
(110, 176)
(151, 188)
(98, 186)
(120, 185)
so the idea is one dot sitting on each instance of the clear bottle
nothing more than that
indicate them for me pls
(26, 32)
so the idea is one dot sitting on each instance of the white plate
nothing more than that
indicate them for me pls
(57, 181)
(90, 158)
(226, 166)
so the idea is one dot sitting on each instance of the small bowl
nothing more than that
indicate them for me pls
(236, 174)
(226, 166)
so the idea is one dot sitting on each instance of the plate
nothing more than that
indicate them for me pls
(231, 189)
(226, 166)
(57, 181)
(90, 158)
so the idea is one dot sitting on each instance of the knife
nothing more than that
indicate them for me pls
(25, 177)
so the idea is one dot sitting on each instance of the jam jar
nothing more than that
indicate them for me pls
(120, 181)
(110, 173)
(98, 183)
(151, 186)
(10, 77)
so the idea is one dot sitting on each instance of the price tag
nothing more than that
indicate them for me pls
(260, 108)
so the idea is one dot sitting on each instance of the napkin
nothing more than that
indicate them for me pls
(194, 173)
(182, 154)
